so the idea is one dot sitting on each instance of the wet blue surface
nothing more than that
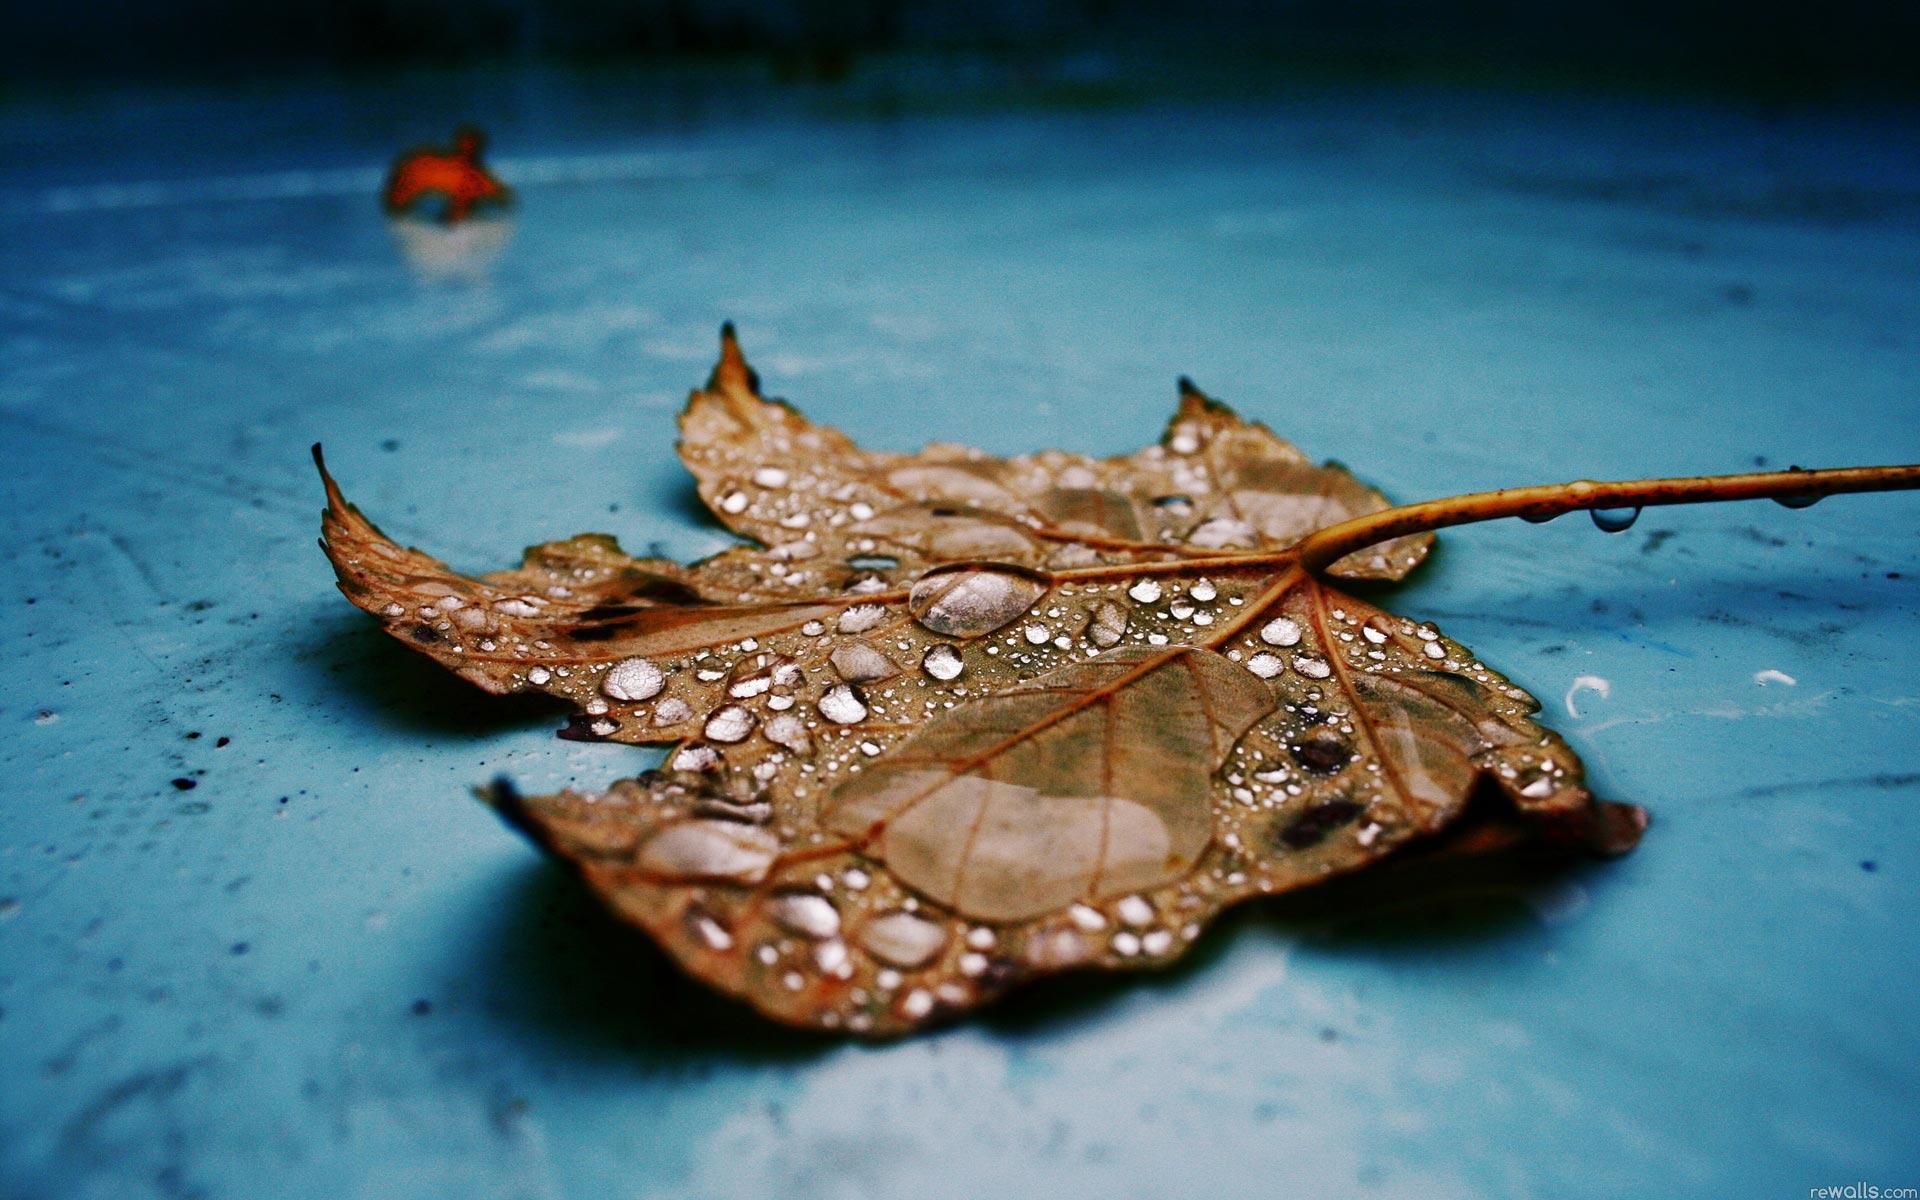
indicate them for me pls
(325, 971)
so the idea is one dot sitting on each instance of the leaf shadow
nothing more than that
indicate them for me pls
(556, 964)
(360, 668)
(1428, 904)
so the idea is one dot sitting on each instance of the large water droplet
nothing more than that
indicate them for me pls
(730, 724)
(702, 849)
(1266, 666)
(843, 706)
(808, 914)
(973, 601)
(1281, 631)
(1539, 518)
(903, 939)
(860, 662)
(633, 679)
(860, 618)
(1106, 624)
(1614, 520)
(789, 731)
(1146, 591)
(942, 662)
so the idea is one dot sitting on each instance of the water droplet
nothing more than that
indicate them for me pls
(789, 731)
(1036, 634)
(1434, 650)
(1538, 518)
(903, 939)
(860, 618)
(831, 956)
(696, 757)
(916, 1004)
(710, 932)
(861, 662)
(942, 662)
(538, 676)
(1135, 911)
(733, 503)
(1222, 532)
(1086, 918)
(1373, 633)
(808, 914)
(1106, 624)
(1157, 941)
(1614, 520)
(1312, 668)
(1266, 666)
(1184, 442)
(973, 601)
(1203, 591)
(704, 849)
(1802, 500)
(770, 477)
(860, 510)
(671, 711)
(1146, 591)
(1323, 751)
(843, 706)
(1281, 631)
(731, 724)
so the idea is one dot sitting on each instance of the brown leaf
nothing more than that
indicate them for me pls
(898, 789)
(1214, 482)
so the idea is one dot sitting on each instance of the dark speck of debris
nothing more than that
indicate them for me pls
(1893, 574)
(193, 735)
(421, 1008)
(1739, 294)
(1329, 1035)
(1869, 866)
(1656, 538)
(239, 948)
(185, 784)
(390, 445)
(221, 743)
(200, 606)
(1759, 460)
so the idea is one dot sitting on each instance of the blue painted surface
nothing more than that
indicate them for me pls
(325, 971)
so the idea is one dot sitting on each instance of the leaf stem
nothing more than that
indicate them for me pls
(1546, 501)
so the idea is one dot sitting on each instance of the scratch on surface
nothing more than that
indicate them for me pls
(1586, 683)
(1886, 781)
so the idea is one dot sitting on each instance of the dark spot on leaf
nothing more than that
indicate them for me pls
(425, 633)
(1323, 751)
(1311, 827)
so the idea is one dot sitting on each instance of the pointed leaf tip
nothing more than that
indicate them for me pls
(732, 373)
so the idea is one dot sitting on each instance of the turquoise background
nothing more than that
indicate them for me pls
(325, 971)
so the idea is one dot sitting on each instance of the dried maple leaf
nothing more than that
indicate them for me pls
(455, 175)
(960, 721)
